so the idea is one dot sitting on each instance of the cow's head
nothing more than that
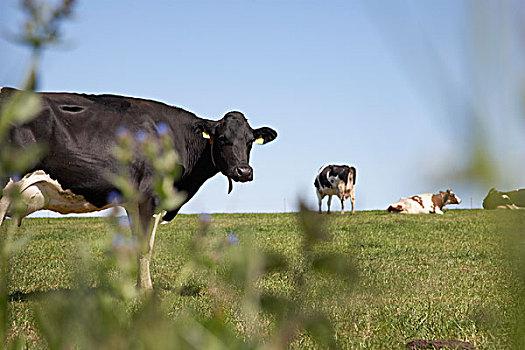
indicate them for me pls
(495, 199)
(450, 197)
(231, 140)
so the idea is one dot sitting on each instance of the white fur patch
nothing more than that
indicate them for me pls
(39, 191)
(422, 205)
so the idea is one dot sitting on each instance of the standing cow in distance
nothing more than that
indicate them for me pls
(426, 203)
(505, 200)
(338, 180)
(80, 132)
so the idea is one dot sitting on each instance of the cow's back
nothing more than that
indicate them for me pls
(79, 134)
(504, 200)
(518, 197)
(330, 176)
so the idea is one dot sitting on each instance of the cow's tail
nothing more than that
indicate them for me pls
(350, 177)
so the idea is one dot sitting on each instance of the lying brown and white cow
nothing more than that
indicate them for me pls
(338, 180)
(505, 200)
(426, 203)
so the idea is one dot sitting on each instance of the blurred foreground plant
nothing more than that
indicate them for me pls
(109, 312)
(234, 270)
(18, 108)
(158, 151)
(41, 29)
(482, 102)
(512, 225)
(241, 312)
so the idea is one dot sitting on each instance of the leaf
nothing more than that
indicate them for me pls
(278, 306)
(312, 226)
(27, 107)
(274, 262)
(21, 107)
(321, 330)
(335, 263)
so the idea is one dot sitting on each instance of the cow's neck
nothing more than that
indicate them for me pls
(438, 200)
(203, 168)
(198, 168)
(198, 163)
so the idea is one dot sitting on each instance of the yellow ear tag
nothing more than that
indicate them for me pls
(259, 141)
(205, 135)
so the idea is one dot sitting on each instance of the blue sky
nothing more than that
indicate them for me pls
(387, 86)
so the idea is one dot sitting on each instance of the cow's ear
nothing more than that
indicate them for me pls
(205, 129)
(264, 135)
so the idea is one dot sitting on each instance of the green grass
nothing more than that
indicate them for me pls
(426, 277)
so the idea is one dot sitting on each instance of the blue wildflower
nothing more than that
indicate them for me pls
(162, 128)
(140, 136)
(123, 221)
(121, 132)
(205, 217)
(123, 242)
(232, 238)
(205, 220)
(114, 197)
(118, 240)
(16, 177)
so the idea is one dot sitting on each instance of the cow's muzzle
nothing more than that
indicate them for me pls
(242, 173)
(239, 173)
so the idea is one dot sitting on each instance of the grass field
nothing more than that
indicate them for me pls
(426, 277)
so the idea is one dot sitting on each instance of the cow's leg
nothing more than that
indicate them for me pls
(145, 276)
(352, 199)
(342, 204)
(329, 203)
(320, 200)
(145, 238)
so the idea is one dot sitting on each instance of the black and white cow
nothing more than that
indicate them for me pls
(338, 180)
(79, 131)
(504, 200)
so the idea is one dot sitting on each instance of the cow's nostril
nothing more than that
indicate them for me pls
(243, 171)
